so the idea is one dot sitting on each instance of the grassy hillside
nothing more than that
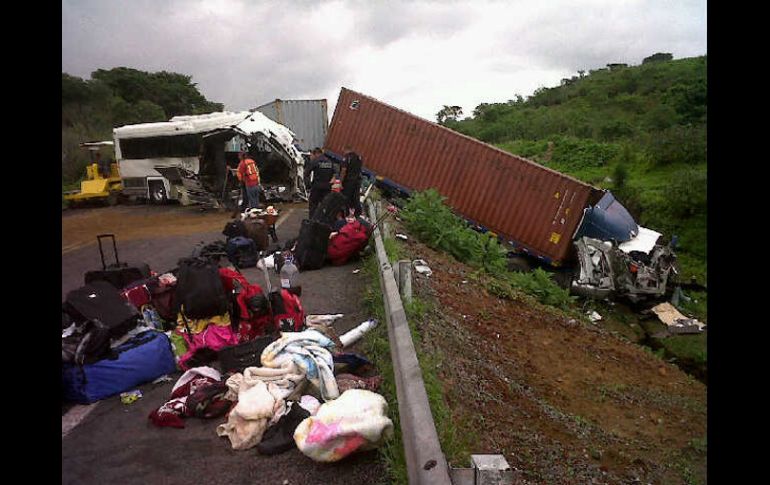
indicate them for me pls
(639, 131)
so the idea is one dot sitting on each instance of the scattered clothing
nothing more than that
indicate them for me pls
(280, 437)
(351, 363)
(311, 351)
(261, 395)
(350, 381)
(214, 338)
(198, 325)
(355, 421)
(310, 404)
(194, 382)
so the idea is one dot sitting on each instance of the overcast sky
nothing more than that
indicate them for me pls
(414, 55)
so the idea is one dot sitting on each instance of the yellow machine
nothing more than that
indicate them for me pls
(102, 184)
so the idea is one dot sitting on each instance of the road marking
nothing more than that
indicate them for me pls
(75, 246)
(75, 416)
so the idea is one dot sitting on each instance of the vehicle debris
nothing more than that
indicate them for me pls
(421, 266)
(594, 316)
(676, 322)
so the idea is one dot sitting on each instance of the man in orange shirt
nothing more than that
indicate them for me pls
(248, 174)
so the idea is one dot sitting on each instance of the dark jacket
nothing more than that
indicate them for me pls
(323, 170)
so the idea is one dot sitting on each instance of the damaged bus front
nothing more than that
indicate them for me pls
(192, 159)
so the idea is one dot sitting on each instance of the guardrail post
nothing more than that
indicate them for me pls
(405, 279)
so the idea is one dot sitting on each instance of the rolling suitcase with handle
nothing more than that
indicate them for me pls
(117, 274)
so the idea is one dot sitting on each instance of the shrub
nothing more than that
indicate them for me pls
(432, 221)
(686, 193)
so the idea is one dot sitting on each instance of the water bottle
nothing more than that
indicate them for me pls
(289, 274)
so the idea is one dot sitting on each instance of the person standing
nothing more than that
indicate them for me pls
(248, 174)
(350, 174)
(321, 171)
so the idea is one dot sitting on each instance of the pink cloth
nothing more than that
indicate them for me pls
(214, 337)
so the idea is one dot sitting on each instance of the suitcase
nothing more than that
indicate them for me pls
(235, 358)
(330, 205)
(141, 359)
(118, 274)
(257, 231)
(312, 243)
(101, 301)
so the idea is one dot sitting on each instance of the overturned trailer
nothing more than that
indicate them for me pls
(192, 159)
(546, 217)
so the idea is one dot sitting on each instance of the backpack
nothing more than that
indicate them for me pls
(234, 228)
(242, 252)
(199, 291)
(351, 239)
(330, 205)
(288, 313)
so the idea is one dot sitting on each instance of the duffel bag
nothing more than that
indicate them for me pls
(237, 357)
(141, 359)
(351, 239)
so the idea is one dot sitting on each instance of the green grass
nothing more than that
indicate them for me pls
(687, 347)
(455, 443)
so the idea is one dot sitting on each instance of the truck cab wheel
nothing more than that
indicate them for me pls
(112, 199)
(519, 264)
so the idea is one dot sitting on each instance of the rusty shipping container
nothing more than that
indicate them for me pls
(535, 209)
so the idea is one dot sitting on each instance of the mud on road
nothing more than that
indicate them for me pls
(564, 401)
(131, 222)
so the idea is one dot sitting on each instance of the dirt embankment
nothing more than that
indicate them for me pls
(564, 401)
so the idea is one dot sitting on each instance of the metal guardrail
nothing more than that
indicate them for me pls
(425, 462)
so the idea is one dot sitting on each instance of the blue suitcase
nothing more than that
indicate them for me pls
(141, 359)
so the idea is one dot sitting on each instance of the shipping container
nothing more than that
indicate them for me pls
(536, 210)
(307, 118)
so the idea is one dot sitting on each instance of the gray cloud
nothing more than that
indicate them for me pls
(415, 55)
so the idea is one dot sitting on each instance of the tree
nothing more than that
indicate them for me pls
(658, 57)
(448, 113)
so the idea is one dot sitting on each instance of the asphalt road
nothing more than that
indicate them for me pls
(115, 443)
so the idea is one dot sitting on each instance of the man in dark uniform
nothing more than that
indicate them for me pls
(350, 174)
(322, 171)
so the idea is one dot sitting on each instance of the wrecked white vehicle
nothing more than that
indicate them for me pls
(193, 159)
(618, 257)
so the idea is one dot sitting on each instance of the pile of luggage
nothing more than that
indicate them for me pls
(125, 312)
(248, 352)
(331, 235)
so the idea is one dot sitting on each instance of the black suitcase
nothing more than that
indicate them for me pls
(101, 301)
(235, 358)
(330, 205)
(117, 274)
(312, 243)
